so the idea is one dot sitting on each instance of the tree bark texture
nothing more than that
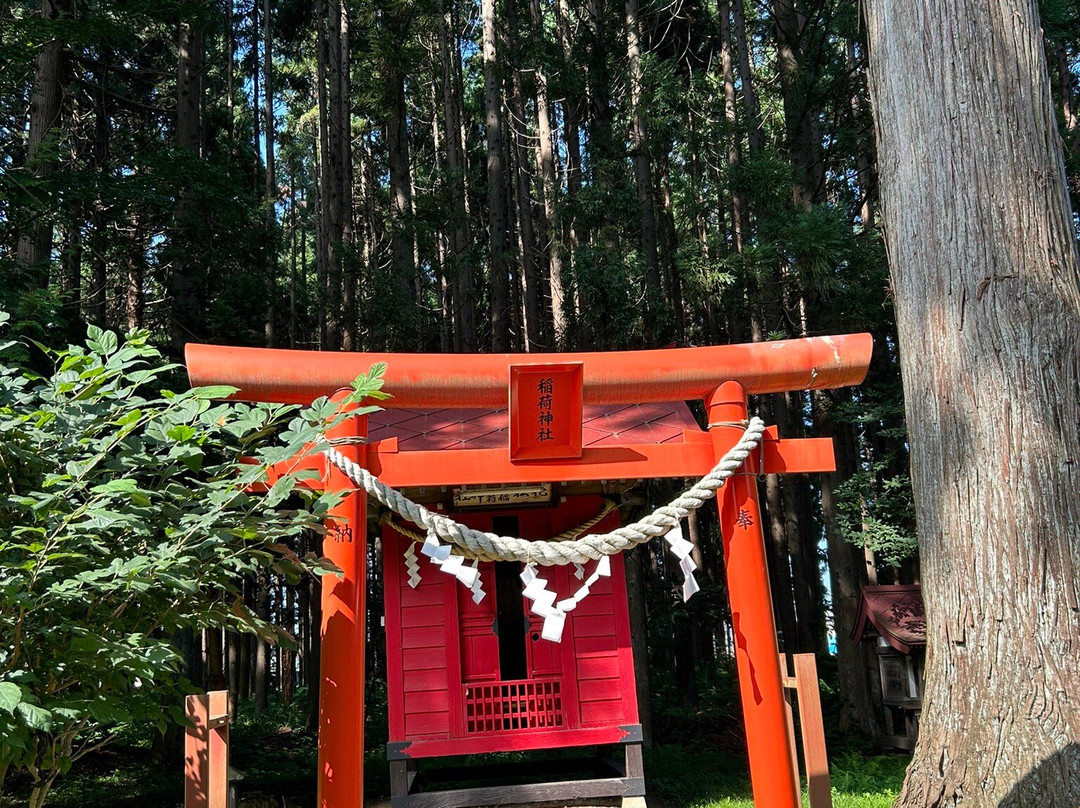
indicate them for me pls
(401, 197)
(458, 266)
(643, 173)
(35, 243)
(985, 276)
(536, 325)
(545, 169)
(499, 259)
(187, 281)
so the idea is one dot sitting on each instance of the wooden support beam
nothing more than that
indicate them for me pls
(694, 457)
(480, 380)
(807, 689)
(206, 750)
(813, 731)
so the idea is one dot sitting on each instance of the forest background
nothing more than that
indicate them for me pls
(505, 175)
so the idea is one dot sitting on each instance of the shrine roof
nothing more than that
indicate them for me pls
(895, 612)
(602, 425)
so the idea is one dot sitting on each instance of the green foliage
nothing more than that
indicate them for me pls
(124, 520)
(878, 512)
(719, 780)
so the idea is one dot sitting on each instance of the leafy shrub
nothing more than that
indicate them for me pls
(125, 520)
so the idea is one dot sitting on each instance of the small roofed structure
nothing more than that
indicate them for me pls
(896, 616)
(469, 675)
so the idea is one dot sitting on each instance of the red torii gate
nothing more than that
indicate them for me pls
(720, 376)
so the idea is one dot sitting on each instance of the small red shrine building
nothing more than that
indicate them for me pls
(466, 677)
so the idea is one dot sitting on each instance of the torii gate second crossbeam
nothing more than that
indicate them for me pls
(721, 377)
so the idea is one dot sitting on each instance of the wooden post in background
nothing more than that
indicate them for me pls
(790, 685)
(811, 727)
(206, 751)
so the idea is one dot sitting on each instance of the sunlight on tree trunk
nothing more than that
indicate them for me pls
(985, 274)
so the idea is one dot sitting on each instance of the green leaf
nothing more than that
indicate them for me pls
(10, 697)
(127, 486)
(215, 391)
(181, 433)
(107, 712)
(109, 342)
(35, 717)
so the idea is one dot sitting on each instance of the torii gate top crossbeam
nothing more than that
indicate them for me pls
(480, 380)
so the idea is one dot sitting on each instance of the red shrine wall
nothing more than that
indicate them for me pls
(456, 686)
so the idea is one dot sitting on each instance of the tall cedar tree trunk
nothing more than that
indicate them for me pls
(802, 135)
(790, 492)
(94, 308)
(986, 280)
(313, 646)
(846, 574)
(545, 169)
(458, 265)
(864, 163)
(401, 198)
(36, 240)
(753, 109)
(670, 253)
(643, 175)
(499, 257)
(134, 302)
(323, 254)
(186, 281)
(740, 214)
(572, 118)
(344, 169)
(535, 328)
(330, 138)
(271, 177)
(441, 262)
(258, 179)
(262, 648)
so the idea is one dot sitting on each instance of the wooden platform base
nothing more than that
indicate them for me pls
(624, 781)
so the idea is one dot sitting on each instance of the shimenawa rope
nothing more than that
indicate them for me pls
(491, 547)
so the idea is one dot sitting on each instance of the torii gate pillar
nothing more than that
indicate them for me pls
(760, 683)
(344, 628)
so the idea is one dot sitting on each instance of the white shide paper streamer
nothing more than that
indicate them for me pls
(543, 599)
(412, 565)
(681, 549)
(441, 557)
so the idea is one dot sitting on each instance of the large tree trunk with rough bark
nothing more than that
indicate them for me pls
(985, 275)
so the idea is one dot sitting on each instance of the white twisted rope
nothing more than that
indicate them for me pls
(491, 547)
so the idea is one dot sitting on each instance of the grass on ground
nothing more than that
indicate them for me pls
(284, 767)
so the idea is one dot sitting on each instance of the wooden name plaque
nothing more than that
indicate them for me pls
(545, 411)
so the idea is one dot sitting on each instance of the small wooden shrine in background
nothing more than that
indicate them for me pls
(894, 616)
